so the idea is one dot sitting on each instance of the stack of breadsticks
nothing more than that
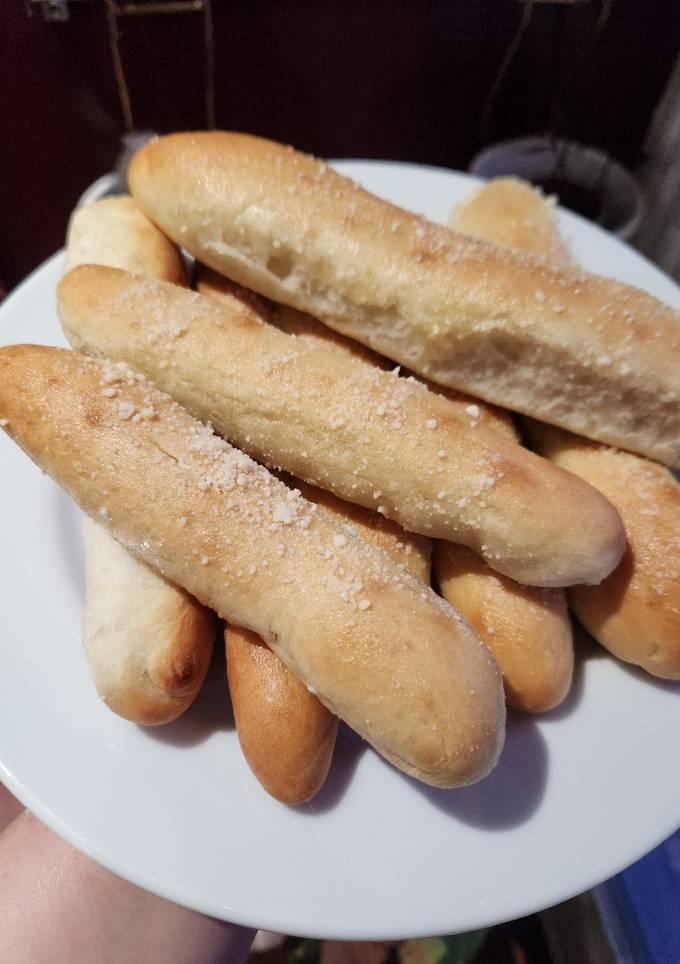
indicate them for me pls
(173, 421)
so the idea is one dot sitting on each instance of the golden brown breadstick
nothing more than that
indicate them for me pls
(366, 435)
(286, 734)
(381, 650)
(510, 212)
(590, 354)
(635, 612)
(526, 628)
(148, 644)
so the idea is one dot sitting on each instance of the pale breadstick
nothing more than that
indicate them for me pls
(148, 644)
(511, 213)
(287, 736)
(366, 435)
(590, 354)
(382, 651)
(115, 232)
(635, 612)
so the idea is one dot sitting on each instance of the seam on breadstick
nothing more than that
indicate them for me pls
(382, 651)
(593, 355)
(369, 436)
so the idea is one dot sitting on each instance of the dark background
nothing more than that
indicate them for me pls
(399, 79)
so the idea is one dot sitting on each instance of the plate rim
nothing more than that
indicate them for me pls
(100, 854)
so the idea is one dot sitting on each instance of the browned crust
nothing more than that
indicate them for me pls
(286, 734)
(527, 629)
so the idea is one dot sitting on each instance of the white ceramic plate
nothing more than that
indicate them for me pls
(579, 793)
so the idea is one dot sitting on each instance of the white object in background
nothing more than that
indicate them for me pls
(265, 941)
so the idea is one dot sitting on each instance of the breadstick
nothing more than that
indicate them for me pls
(590, 354)
(513, 214)
(286, 734)
(147, 643)
(635, 612)
(368, 436)
(382, 651)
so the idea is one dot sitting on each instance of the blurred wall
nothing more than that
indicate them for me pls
(398, 79)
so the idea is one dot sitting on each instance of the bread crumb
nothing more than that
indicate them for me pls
(282, 513)
(472, 410)
(182, 520)
(431, 423)
(339, 541)
(441, 454)
(205, 560)
(126, 410)
(364, 604)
